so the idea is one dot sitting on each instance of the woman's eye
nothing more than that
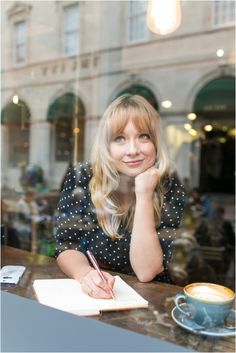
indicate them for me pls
(119, 138)
(144, 136)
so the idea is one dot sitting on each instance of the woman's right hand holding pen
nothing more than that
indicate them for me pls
(93, 285)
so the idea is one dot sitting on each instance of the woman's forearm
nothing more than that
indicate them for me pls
(74, 264)
(146, 255)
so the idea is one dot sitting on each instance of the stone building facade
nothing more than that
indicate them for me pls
(67, 60)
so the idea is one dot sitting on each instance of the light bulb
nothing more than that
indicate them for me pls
(166, 104)
(191, 116)
(220, 53)
(187, 126)
(193, 132)
(163, 16)
(208, 127)
(15, 99)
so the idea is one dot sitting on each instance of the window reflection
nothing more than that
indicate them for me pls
(66, 61)
(20, 42)
(71, 30)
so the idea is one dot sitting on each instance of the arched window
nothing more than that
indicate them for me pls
(215, 109)
(66, 114)
(216, 97)
(16, 118)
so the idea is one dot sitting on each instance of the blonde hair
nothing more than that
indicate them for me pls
(106, 179)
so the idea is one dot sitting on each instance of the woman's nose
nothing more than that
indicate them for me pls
(133, 148)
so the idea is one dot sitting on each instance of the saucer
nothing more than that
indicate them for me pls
(193, 327)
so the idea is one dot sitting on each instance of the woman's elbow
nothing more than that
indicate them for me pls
(149, 275)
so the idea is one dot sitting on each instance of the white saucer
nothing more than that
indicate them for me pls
(193, 327)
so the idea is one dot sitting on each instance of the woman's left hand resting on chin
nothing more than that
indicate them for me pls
(146, 182)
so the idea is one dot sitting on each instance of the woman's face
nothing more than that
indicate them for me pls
(133, 151)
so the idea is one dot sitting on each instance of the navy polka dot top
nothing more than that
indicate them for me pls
(78, 228)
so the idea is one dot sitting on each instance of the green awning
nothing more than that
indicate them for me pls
(141, 91)
(15, 114)
(66, 106)
(217, 96)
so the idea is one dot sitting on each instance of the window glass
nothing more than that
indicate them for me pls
(19, 145)
(224, 12)
(20, 42)
(71, 29)
(66, 61)
(137, 30)
(63, 139)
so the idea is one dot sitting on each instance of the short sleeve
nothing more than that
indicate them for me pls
(72, 209)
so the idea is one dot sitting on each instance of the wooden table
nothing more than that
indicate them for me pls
(154, 321)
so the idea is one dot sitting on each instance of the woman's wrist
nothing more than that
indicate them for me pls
(80, 275)
(144, 197)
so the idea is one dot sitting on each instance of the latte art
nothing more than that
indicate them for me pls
(209, 293)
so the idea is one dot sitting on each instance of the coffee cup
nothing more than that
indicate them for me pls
(207, 304)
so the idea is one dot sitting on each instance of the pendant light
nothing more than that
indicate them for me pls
(163, 16)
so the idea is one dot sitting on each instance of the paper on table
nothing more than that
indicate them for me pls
(67, 295)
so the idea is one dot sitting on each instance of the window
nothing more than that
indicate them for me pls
(137, 26)
(18, 145)
(16, 118)
(224, 12)
(71, 30)
(63, 139)
(20, 42)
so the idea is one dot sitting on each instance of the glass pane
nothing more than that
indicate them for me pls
(20, 30)
(63, 146)
(71, 43)
(71, 18)
(82, 56)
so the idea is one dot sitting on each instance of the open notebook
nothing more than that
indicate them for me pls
(67, 295)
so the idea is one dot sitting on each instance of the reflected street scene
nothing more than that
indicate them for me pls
(65, 62)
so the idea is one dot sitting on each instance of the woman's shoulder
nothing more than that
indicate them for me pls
(172, 182)
(78, 174)
(82, 168)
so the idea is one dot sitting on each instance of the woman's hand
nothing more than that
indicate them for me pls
(93, 285)
(146, 182)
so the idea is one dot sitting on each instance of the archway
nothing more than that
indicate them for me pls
(66, 114)
(16, 119)
(215, 109)
(142, 91)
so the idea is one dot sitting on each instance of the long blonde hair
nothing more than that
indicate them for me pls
(106, 179)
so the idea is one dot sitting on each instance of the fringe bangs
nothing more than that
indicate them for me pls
(141, 119)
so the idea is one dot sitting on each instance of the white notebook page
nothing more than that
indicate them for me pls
(67, 295)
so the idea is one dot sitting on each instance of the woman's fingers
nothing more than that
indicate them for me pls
(93, 285)
(110, 279)
(146, 182)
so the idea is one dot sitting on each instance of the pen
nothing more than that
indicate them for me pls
(95, 265)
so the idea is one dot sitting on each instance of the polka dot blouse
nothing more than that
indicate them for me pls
(78, 228)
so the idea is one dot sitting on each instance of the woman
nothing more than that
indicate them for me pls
(125, 206)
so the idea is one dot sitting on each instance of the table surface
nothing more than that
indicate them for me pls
(154, 321)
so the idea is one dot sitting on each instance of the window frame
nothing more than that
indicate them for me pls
(214, 14)
(19, 12)
(131, 17)
(19, 44)
(75, 31)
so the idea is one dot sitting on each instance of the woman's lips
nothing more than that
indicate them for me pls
(134, 163)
